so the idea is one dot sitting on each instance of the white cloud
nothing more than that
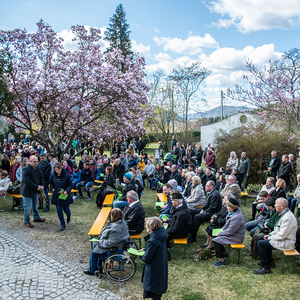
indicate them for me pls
(192, 45)
(230, 59)
(253, 15)
(156, 29)
(136, 25)
(68, 35)
(140, 48)
(167, 63)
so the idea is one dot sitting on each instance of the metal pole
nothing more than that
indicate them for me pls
(222, 105)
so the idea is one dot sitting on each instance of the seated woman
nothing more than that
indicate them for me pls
(14, 168)
(233, 231)
(264, 229)
(149, 170)
(269, 187)
(114, 234)
(4, 182)
(217, 221)
(157, 175)
(197, 196)
(279, 189)
(108, 186)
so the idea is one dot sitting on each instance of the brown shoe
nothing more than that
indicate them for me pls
(40, 220)
(28, 225)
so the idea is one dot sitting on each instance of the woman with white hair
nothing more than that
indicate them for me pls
(197, 197)
(233, 160)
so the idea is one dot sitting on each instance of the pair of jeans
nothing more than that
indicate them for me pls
(292, 203)
(251, 226)
(31, 203)
(87, 186)
(154, 183)
(60, 209)
(120, 204)
(94, 260)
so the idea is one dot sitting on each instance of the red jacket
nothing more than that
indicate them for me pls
(210, 160)
(13, 171)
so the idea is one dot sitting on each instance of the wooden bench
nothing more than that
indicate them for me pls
(14, 196)
(244, 196)
(98, 181)
(180, 242)
(99, 223)
(137, 237)
(238, 247)
(108, 199)
(162, 197)
(293, 253)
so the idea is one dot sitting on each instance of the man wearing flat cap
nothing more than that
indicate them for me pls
(179, 225)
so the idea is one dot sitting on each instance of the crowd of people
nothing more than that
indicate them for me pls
(194, 194)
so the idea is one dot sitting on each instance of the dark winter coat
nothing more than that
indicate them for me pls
(134, 217)
(213, 202)
(203, 178)
(176, 176)
(278, 193)
(31, 179)
(275, 166)
(130, 186)
(140, 145)
(220, 220)
(199, 155)
(86, 175)
(166, 177)
(109, 181)
(46, 171)
(284, 172)
(181, 222)
(155, 277)
(61, 182)
(119, 172)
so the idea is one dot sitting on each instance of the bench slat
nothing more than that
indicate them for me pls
(162, 197)
(108, 199)
(291, 253)
(100, 221)
(180, 241)
(237, 246)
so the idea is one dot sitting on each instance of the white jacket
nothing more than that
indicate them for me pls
(283, 237)
(196, 198)
(4, 184)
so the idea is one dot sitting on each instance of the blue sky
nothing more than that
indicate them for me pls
(222, 34)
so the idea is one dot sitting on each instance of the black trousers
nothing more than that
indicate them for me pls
(198, 220)
(220, 249)
(254, 204)
(265, 253)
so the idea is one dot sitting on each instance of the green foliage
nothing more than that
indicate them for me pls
(6, 97)
(253, 188)
(118, 33)
(258, 147)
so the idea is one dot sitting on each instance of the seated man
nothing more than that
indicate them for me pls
(179, 225)
(233, 188)
(129, 186)
(212, 205)
(283, 237)
(86, 179)
(119, 170)
(202, 175)
(175, 174)
(166, 209)
(210, 175)
(134, 214)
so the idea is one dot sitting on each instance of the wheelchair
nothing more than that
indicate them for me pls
(116, 264)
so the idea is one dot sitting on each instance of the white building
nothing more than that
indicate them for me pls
(209, 132)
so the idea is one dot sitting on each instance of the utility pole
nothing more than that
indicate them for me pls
(222, 97)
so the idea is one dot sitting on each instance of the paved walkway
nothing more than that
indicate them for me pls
(25, 273)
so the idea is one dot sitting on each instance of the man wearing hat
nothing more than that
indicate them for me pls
(129, 186)
(179, 225)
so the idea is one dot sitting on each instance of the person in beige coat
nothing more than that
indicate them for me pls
(283, 237)
(197, 197)
(233, 188)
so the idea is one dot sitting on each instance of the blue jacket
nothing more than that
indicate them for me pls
(155, 277)
(76, 176)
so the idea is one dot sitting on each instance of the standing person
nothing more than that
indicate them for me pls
(244, 168)
(5, 163)
(46, 171)
(210, 159)
(285, 170)
(273, 164)
(174, 142)
(199, 154)
(32, 183)
(206, 150)
(155, 259)
(233, 161)
(61, 183)
(140, 146)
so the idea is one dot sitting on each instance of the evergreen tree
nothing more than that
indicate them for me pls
(118, 33)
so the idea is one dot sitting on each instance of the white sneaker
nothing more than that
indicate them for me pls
(74, 197)
(88, 199)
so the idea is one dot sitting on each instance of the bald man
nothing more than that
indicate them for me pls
(32, 183)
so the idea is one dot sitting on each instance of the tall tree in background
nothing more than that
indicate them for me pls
(187, 79)
(118, 33)
(6, 97)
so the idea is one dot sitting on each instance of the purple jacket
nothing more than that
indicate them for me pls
(233, 230)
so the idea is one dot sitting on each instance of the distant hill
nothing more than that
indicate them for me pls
(216, 112)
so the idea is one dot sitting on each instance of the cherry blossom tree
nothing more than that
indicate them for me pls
(275, 91)
(61, 94)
